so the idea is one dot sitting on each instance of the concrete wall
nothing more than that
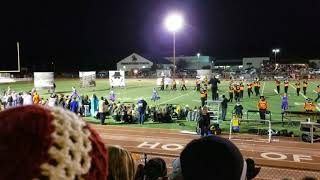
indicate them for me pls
(255, 61)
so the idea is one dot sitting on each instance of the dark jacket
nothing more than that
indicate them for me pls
(142, 105)
(224, 103)
(214, 82)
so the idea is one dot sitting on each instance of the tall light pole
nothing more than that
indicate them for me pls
(174, 23)
(275, 51)
(198, 55)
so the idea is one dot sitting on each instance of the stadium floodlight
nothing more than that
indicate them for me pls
(275, 51)
(198, 55)
(174, 23)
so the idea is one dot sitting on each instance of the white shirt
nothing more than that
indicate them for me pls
(52, 102)
(27, 100)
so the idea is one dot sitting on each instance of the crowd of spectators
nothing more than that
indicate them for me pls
(210, 157)
(285, 70)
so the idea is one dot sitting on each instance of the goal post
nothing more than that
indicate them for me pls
(18, 62)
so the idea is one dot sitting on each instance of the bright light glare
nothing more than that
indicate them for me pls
(275, 50)
(174, 22)
(198, 54)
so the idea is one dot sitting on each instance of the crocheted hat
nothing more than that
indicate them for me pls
(43, 143)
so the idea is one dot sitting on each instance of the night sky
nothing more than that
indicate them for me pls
(79, 34)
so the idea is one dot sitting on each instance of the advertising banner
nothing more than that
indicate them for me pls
(116, 78)
(87, 79)
(43, 80)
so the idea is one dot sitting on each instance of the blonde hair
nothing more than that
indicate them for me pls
(121, 164)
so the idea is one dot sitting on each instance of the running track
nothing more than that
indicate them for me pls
(284, 157)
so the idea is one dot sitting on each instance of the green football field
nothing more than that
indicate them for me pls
(136, 88)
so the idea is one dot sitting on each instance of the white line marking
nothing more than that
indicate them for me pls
(188, 132)
(264, 83)
(174, 98)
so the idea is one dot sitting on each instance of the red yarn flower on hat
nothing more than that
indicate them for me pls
(42, 143)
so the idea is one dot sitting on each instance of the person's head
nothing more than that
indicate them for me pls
(238, 104)
(51, 139)
(199, 162)
(284, 94)
(94, 96)
(223, 96)
(262, 98)
(204, 109)
(121, 164)
(102, 98)
(155, 168)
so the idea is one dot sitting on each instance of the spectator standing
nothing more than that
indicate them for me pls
(36, 98)
(102, 110)
(14, 99)
(62, 102)
(224, 106)
(142, 106)
(27, 100)
(214, 87)
(204, 121)
(52, 101)
(74, 105)
(19, 100)
(94, 101)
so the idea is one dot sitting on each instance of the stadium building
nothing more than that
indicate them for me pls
(134, 62)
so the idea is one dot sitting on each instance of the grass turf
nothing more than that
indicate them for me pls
(136, 88)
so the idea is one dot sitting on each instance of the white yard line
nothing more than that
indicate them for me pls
(264, 83)
(304, 96)
(174, 98)
(316, 85)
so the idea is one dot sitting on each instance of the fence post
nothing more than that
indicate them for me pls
(230, 129)
(269, 131)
